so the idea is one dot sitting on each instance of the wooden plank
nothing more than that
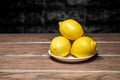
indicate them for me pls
(26, 37)
(60, 76)
(108, 49)
(12, 49)
(47, 37)
(49, 63)
(16, 49)
(106, 37)
(24, 56)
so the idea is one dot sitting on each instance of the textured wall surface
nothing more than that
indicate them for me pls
(42, 16)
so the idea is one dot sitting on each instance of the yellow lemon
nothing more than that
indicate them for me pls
(60, 46)
(70, 29)
(83, 47)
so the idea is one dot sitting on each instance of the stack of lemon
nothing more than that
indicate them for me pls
(72, 41)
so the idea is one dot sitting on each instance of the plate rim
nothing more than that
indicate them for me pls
(73, 58)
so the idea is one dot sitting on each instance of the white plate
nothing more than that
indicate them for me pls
(70, 58)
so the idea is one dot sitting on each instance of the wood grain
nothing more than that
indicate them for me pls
(25, 57)
(17, 49)
(106, 37)
(47, 37)
(26, 37)
(48, 63)
(108, 48)
(60, 76)
(9, 49)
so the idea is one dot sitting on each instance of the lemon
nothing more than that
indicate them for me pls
(60, 46)
(70, 29)
(83, 47)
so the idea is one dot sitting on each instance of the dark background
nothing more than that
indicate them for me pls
(42, 16)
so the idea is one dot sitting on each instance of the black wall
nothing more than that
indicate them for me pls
(42, 16)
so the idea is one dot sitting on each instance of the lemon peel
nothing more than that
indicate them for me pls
(60, 46)
(83, 47)
(70, 29)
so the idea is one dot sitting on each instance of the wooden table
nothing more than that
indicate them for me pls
(25, 57)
